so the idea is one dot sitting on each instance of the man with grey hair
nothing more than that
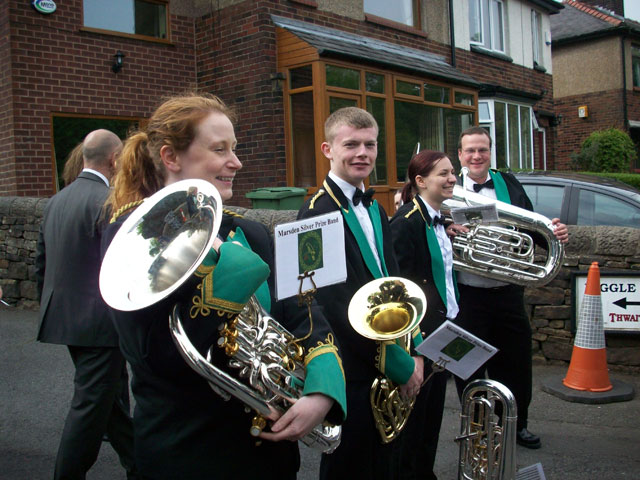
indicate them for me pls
(73, 313)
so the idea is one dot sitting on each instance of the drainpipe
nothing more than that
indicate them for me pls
(625, 111)
(452, 35)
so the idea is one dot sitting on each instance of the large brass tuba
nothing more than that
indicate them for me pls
(487, 438)
(157, 249)
(388, 309)
(504, 251)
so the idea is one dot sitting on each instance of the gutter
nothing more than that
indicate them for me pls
(452, 35)
(625, 108)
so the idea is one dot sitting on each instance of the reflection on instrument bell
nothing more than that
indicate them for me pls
(388, 309)
(155, 251)
(487, 432)
(503, 250)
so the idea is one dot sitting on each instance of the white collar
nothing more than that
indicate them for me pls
(432, 212)
(347, 189)
(473, 182)
(95, 172)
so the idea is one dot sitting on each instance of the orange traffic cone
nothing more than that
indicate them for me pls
(588, 367)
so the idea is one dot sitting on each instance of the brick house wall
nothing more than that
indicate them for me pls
(56, 67)
(240, 59)
(495, 71)
(605, 111)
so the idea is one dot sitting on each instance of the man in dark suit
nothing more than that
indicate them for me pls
(351, 147)
(491, 309)
(73, 313)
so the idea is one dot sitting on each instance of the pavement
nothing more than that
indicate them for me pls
(579, 441)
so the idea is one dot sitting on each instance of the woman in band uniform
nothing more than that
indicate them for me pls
(182, 428)
(424, 255)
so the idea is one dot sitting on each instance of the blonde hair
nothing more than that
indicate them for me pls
(141, 172)
(353, 116)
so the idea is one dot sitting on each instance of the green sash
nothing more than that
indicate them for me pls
(437, 263)
(262, 294)
(355, 227)
(502, 193)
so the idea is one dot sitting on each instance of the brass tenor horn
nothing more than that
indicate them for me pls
(387, 309)
(487, 439)
(155, 252)
(503, 251)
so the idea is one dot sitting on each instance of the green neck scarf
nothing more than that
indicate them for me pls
(262, 294)
(363, 244)
(502, 193)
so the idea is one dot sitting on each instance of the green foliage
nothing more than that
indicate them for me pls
(608, 150)
(632, 179)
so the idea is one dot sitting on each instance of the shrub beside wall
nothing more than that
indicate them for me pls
(549, 307)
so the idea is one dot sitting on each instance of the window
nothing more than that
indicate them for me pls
(408, 110)
(513, 131)
(635, 65)
(486, 24)
(147, 18)
(599, 209)
(401, 11)
(68, 131)
(536, 37)
(546, 199)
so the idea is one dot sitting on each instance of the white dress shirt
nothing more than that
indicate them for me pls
(469, 278)
(447, 258)
(361, 213)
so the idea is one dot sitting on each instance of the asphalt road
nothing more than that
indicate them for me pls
(580, 442)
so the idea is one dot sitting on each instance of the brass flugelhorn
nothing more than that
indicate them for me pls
(487, 432)
(387, 309)
(504, 250)
(156, 251)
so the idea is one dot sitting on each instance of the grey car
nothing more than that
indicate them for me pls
(579, 199)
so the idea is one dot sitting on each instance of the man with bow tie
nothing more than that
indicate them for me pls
(351, 147)
(494, 310)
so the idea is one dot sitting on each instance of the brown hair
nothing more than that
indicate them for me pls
(473, 131)
(353, 116)
(141, 172)
(73, 165)
(421, 164)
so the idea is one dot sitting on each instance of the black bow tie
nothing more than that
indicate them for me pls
(364, 197)
(479, 186)
(438, 220)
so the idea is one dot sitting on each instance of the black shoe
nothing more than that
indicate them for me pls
(527, 439)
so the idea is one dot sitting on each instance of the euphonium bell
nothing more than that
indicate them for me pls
(388, 309)
(504, 250)
(156, 251)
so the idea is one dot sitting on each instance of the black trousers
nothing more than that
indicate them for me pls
(97, 408)
(420, 436)
(361, 454)
(497, 316)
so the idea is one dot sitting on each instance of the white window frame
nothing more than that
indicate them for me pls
(536, 37)
(380, 8)
(490, 124)
(635, 65)
(488, 25)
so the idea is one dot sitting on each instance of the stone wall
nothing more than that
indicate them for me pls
(614, 248)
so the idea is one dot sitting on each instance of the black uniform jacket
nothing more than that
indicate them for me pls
(183, 430)
(72, 311)
(408, 227)
(358, 353)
